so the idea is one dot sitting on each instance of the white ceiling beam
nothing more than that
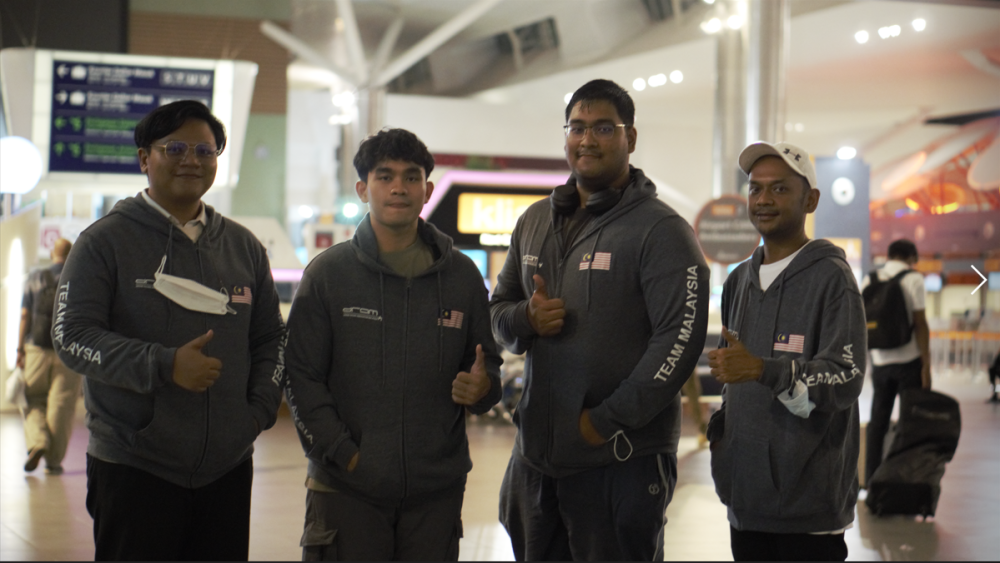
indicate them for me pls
(434, 40)
(387, 44)
(355, 49)
(895, 131)
(305, 52)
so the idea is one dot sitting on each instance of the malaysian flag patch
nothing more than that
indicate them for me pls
(599, 261)
(451, 318)
(241, 295)
(785, 342)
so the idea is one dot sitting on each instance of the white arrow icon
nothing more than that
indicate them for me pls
(62, 70)
(980, 283)
(62, 96)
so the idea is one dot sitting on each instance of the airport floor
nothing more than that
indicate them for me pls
(43, 517)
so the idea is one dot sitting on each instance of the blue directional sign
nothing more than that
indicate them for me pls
(95, 108)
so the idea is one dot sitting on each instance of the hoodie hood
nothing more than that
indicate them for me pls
(639, 189)
(136, 209)
(812, 252)
(365, 246)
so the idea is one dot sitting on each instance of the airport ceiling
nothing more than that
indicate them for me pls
(875, 96)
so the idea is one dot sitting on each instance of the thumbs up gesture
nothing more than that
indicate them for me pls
(544, 314)
(734, 364)
(470, 386)
(193, 370)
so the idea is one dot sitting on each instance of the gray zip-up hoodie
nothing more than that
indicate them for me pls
(114, 328)
(635, 287)
(775, 471)
(371, 358)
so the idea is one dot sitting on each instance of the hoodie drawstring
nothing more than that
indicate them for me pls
(614, 447)
(381, 292)
(440, 326)
(590, 268)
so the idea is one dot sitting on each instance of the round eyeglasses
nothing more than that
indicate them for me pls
(600, 131)
(180, 149)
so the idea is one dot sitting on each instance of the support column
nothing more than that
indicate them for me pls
(767, 61)
(730, 111)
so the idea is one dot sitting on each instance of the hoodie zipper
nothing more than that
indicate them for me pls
(208, 391)
(402, 423)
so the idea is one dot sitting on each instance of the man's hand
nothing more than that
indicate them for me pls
(470, 386)
(588, 431)
(193, 370)
(20, 357)
(544, 314)
(734, 364)
(925, 374)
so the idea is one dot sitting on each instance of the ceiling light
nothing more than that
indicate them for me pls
(861, 37)
(639, 84)
(735, 21)
(846, 153)
(567, 97)
(708, 1)
(344, 99)
(799, 127)
(712, 26)
(350, 210)
(658, 80)
(889, 31)
(676, 77)
(919, 24)
(305, 212)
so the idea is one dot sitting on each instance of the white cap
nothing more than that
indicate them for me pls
(796, 158)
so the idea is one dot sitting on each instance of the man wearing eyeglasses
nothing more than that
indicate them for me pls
(169, 311)
(606, 290)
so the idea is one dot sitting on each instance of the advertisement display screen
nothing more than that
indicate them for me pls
(95, 108)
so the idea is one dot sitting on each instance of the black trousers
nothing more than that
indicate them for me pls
(140, 517)
(887, 381)
(610, 513)
(341, 527)
(764, 546)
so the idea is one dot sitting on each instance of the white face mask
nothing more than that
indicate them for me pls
(190, 294)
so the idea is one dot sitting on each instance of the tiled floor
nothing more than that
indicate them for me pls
(43, 517)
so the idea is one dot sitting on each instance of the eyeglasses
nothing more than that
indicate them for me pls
(180, 149)
(601, 130)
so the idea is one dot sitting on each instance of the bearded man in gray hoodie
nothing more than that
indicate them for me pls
(389, 343)
(785, 442)
(606, 291)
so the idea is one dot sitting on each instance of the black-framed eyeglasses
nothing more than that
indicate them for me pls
(601, 130)
(180, 149)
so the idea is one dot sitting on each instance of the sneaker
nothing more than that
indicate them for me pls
(54, 470)
(34, 456)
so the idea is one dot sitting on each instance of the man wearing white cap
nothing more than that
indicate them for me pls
(792, 358)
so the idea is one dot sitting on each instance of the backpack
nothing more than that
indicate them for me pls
(41, 313)
(885, 312)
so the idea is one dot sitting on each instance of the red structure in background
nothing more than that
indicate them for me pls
(946, 197)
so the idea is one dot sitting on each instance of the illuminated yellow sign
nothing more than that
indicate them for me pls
(491, 213)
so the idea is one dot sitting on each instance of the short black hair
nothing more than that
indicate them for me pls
(903, 250)
(392, 144)
(168, 118)
(608, 91)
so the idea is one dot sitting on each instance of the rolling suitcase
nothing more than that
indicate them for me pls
(909, 480)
